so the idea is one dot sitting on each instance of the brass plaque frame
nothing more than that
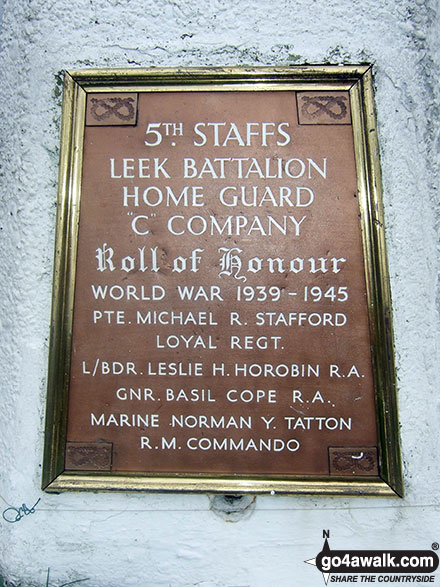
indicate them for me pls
(357, 80)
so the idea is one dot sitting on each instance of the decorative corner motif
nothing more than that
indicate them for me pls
(323, 108)
(89, 456)
(111, 110)
(357, 460)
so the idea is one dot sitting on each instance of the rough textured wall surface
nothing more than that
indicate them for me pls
(176, 540)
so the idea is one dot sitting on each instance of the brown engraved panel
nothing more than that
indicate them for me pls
(220, 319)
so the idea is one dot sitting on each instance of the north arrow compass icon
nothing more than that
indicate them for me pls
(313, 561)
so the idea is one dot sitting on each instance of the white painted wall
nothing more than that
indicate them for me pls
(119, 540)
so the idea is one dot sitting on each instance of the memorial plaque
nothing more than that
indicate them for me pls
(221, 314)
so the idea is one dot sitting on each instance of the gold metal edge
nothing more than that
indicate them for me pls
(263, 78)
(69, 191)
(215, 87)
(207, 76)
(298, 486)
(377, 279)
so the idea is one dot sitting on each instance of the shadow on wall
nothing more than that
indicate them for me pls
(233, 508)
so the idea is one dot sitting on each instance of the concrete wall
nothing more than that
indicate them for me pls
(176, 540)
